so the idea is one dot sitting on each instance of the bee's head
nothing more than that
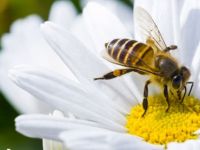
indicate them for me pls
(180, 77)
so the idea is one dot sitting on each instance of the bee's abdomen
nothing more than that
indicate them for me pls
(128, 52)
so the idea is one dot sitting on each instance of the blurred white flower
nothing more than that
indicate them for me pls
(25, 45)
(101, 108)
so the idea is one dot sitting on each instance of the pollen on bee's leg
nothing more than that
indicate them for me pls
(159, 127)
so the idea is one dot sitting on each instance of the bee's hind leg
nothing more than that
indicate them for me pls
(166, 94)
(145, 100)
(114, 74)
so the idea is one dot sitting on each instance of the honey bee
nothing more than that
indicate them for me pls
(152, 58)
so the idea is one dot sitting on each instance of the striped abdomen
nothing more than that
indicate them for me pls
(130, 52)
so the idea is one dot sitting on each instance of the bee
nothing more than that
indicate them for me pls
(152, 58)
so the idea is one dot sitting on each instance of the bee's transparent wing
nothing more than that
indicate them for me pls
(148, 28)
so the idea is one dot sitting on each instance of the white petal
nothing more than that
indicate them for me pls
(51, 144)
(49, 127)
(96, 138)
(104, 28)
(66, 96)
(196, 87)
(195, 65)
(79, 30)
(34, 51)
(63, 13)
(85, 65)
(190, 36)
(187, 145)
(122, 11)
(195, 72)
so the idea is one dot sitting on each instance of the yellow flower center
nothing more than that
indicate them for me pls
(161, 127)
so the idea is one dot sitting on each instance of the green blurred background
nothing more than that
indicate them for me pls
(10, 10)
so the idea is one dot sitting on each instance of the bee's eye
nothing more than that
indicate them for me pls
(176, 81)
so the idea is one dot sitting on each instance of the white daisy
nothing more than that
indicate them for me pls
(25, 45)
(108, 115)
(34, 49)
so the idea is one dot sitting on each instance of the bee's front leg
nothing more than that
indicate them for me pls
(185, 91)
(192, 84)
(166, 97)
(145, 100)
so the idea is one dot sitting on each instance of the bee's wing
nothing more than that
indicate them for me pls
(148, 28)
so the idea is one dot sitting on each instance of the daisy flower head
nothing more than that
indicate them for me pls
(108, 114)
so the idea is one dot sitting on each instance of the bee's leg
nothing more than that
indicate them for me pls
(114, 74)
(192, 84)
(166, 97)
(185, 91)
(169, 48)
(145, 100)
(179, 95)
(173, 94)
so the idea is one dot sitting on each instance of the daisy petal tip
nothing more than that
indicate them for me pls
(92, 7)
(42, 26)
(17, 73)
(48, 30)
(17, 128)
(91, 4)
(22, 130)
(17, 118)
(18, 125)
(46, 25)
(20, 118)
